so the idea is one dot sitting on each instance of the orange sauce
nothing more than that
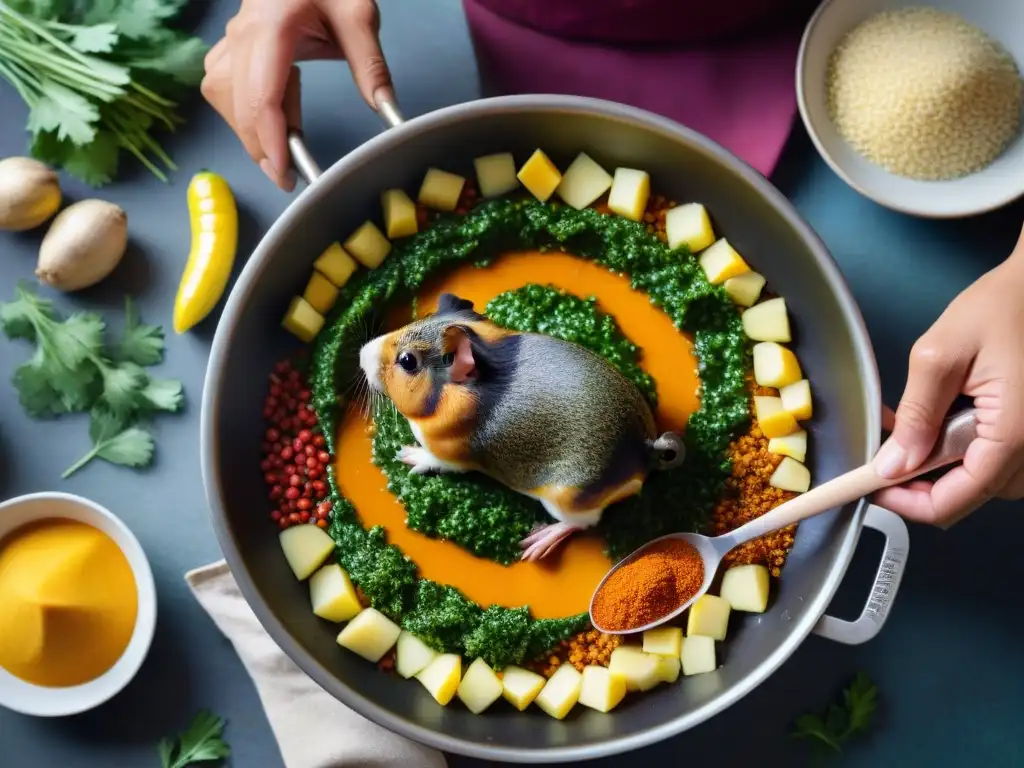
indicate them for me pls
(564, 583)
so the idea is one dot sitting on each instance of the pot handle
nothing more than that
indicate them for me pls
(883, 591)
(303, 159)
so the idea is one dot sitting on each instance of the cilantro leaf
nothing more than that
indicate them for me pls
(842, 719)
(201, 742)
(135, 19)
(140, 343)
(163, 394)
(69, 114)
(94, 163)
(178, 56)
(115, 442)
(98, 38)
(122, 388)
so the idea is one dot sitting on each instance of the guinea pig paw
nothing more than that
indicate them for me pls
(420, 459)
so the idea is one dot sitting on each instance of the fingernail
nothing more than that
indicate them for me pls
(891, 459)
(268, 168)
(289, 180)
(382, 94)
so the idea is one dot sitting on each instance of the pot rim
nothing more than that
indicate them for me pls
(315, 194)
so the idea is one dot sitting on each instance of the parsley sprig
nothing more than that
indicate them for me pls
(201, 742)
(842, 719)
(97, 76)
(73, 370)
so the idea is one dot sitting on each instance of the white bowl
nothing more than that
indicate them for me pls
(992, 187)
(43, 701)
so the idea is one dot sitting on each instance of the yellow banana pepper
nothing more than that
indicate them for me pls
(214, 219)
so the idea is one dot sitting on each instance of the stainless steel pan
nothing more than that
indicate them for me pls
(829, 336)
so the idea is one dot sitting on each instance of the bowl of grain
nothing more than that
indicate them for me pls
(918, 107)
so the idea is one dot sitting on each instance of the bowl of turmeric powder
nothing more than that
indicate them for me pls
(79, 604)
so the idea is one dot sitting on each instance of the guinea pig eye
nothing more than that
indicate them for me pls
(409, 362)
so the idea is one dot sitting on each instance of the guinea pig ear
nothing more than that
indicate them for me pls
(449, 303)
(459, 346)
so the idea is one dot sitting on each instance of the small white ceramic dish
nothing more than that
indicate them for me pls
(42, 701)
(990, 188)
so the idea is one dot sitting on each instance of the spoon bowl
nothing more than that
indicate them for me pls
(950, 447)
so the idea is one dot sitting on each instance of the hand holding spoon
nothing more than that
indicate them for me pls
(951, 446)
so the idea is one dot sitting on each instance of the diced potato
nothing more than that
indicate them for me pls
(720, 261)
(767, 321)
(480, 687)
(335, 264)
(332, 594)
(794, 445)
(709, 616)
(640, 669)
(772, 418)
(796, 398)
(698, 655)
(663, 641)
(601, 689)
(305, 548)
(775, 365)
(629, 194)
(745, 289)
(668, 668)
(320, 293)
(368, 245)
(583, 182)
(399, 213)
(540, 176)
(302, 321)
(745, 588)
(689, 225)
(442, 676)
(561, 692)
(440, 190)
(412, 655)
(371, 634)
(791, 475)
(520, 686)
(496, 174)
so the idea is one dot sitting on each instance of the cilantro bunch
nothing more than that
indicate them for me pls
(74, 370)
(98, 76)
(842, 719)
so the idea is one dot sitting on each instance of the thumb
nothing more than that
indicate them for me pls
(356, 27)
(936, 375)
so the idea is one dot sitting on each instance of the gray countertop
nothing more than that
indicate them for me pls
(949, 664)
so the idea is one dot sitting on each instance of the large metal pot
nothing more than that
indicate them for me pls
(830, 338)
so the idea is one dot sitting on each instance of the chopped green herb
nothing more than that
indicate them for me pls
(843, 719)
(200, 743)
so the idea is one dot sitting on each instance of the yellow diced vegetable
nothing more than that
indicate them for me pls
(668, 668)
(689, 225)
(442, 676)
(440, 190)
(336, 265)
(540, 176)
(305, 548)
(412, 655)
(302, 321)
(794, 445)
(602, 690)
(480, 687)
(745, 588)
(496, 174)
(745, 289)
(520, 686)
(767, 321)
(663, 641)
(399, 213)
(320, 293)
(796, 398)
(370, 634)
(630, 192)
(709, 616)
(772, 418)
(583, 182)
(775, 365)
(791, 475)
(332, 594)
(698, 655)
(640, 669)
(721, 261)
(561, 692)
(368, 245)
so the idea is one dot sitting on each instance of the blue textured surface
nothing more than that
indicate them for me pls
(949, 664)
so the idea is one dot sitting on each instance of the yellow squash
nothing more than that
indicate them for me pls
(214, 218)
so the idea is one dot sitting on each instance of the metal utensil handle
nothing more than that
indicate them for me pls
(883, 590)
(303, 159)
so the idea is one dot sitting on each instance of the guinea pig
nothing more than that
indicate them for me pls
(547, 418)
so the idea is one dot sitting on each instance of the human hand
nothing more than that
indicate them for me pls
(975, 348)
(252, 84)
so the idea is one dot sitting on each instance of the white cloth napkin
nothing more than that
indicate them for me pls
(293, 702)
